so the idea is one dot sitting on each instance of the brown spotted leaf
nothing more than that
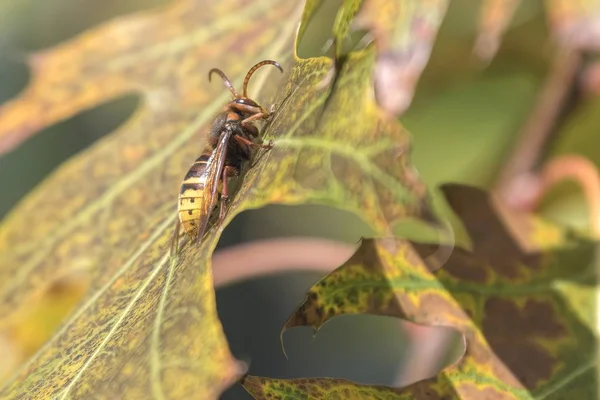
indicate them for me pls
(527, 316)
(148, 325)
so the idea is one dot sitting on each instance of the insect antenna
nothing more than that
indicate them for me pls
(254, 68)
(225, 80)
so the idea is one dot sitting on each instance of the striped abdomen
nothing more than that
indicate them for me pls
(193, 196)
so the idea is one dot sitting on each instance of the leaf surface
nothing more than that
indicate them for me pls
(524, 303)
(148, 326)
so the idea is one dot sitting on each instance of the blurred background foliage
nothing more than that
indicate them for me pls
(464, 119)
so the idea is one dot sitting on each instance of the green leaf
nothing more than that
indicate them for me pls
(524, 302)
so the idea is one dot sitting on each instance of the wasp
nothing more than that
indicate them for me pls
(231, 139)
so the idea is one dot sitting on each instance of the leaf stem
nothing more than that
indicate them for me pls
(585, 173)
(537, 131)
(271, 256)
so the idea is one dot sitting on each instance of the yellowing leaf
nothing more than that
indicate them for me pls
(109, 212)
(525, 337)
(310, 388)
(148, 326)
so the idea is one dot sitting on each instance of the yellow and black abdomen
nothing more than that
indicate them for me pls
(191, 195)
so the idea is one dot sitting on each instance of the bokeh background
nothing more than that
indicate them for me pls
(464, 121)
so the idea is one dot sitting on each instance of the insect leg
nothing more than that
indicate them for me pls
(257, 116)
(243, 140)
(228, 171)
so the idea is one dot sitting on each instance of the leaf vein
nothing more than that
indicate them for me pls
(116, 325)
(145, 245)
(155, 361)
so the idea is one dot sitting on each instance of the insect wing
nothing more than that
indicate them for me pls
(213, 173)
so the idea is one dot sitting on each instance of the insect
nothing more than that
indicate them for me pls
(230, 141)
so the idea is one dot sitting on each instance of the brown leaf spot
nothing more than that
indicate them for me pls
(512, 332)
(469, 270)
(492, 240)
(460, 265)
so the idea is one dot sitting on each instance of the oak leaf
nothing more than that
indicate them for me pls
(523, 297)
(148, 325)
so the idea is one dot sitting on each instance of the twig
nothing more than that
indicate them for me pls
(272, 256)
(582, 171)
(537, 130)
